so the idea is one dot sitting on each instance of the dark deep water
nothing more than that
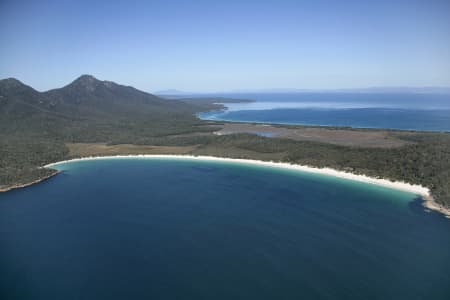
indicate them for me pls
(178, 229)
(427, 112)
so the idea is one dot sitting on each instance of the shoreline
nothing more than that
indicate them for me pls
(428, 201)
(22, 185)
(397, 185)
(423, 192)
(312, 125)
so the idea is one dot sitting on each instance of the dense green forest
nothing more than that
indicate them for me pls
(35, 128)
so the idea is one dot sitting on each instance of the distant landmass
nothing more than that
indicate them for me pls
(421, 90)
(427, 90)
(172, 92)
(379, 89)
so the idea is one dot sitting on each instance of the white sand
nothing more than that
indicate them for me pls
(397, 185)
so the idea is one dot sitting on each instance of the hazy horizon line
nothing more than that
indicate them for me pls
(174, 91)
(379, 89)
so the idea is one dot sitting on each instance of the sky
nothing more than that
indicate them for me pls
(214, 46)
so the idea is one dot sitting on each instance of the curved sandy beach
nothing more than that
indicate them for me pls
(419, 190)
(406, 187)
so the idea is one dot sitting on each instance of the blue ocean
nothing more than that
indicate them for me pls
(407, 111)
(140, 228)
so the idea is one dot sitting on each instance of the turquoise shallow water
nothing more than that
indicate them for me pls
(171, 229)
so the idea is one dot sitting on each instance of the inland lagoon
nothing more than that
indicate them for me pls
(159, 228)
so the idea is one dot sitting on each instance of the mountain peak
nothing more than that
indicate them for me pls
(13, 85)
(86, 82)
(11, 82)
(90, 82)
(86, 78)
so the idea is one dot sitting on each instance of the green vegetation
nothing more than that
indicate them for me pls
(426, 162)
(35, 128)
(21, 156)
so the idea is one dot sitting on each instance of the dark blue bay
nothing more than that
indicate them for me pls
(178, 229)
